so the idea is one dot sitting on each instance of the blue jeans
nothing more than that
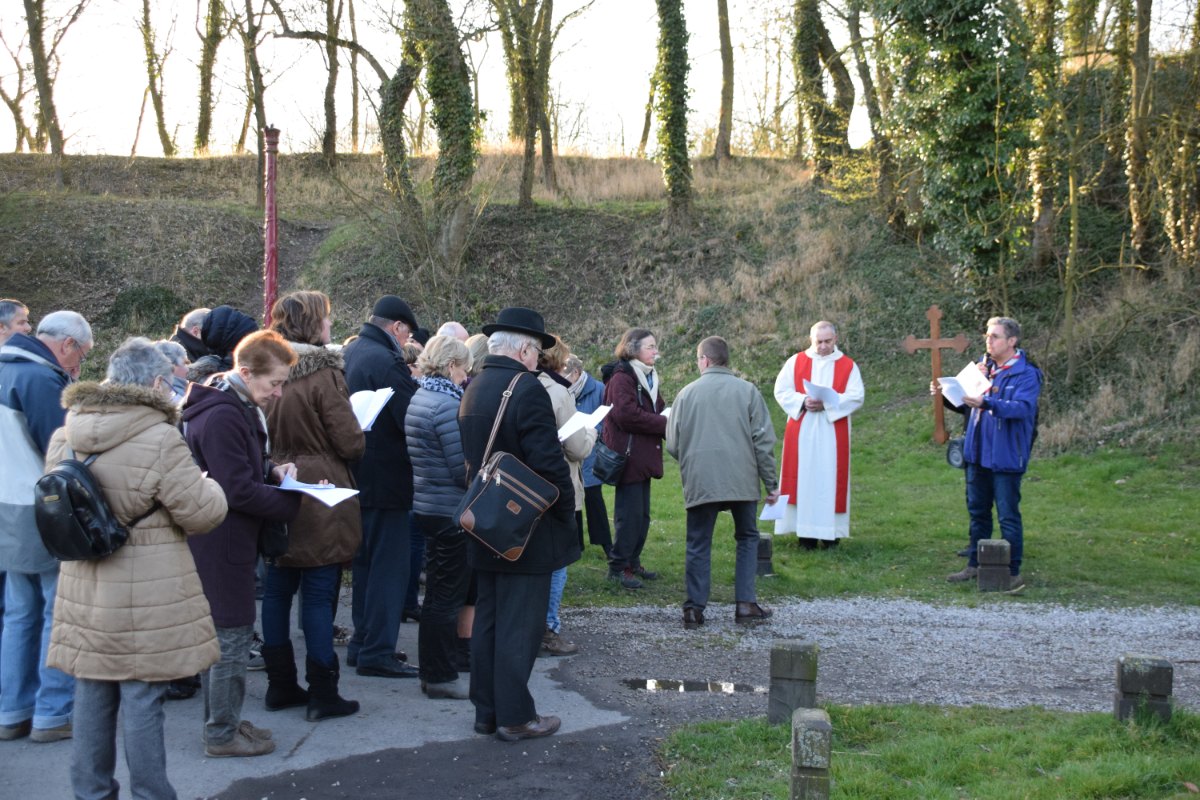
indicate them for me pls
(94, 743)
(416, 562)
(558, 582)
(1003, 489)
(31, 689)
(380, 578)
(317, 587)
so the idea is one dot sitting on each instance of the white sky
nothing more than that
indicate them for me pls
(601, 74)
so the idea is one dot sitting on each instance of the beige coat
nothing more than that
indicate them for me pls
(578, 445)
(139, 614)
(313, 426)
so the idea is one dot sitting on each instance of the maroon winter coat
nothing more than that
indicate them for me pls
(217, 427)
(633, 415)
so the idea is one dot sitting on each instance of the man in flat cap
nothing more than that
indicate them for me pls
(510, 609)
(385, 479)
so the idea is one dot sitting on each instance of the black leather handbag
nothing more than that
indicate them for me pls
(609, 464)
(506, 499)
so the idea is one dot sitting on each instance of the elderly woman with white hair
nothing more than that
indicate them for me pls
(127, 624)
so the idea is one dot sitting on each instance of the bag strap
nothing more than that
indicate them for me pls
(499, 416)
(87, 462)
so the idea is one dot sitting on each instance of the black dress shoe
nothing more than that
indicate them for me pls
(485, 728)
(352, 660)
(536, 727)
(396, 669)
(692, 617)
(645, 574)
(410, 613)
(750, 613)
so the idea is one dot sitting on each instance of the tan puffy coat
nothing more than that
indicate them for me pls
(313, 426)
(139, 614)
(579, 444)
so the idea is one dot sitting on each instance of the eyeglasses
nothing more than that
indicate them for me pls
(82, 353)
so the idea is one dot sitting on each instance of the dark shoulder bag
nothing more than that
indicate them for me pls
(609, 464)
(506, 499)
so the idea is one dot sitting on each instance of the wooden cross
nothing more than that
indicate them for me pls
(935, 344)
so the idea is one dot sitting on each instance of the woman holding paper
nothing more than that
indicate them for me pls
(226, 428)
(313, 425)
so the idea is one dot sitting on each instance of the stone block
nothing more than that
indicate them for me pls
(766, 549)
(812, 751)
(795, 659)
(1138, 674)
(993, 578)
(993, 551)
(787, 696)
(1127, 705)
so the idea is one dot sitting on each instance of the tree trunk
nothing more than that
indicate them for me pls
(721, 150)
(545, 46)
(154, 67)
(645, 139)
(838, 132)
(329, 138)
(250, 30)
(806, 57)
(1044, 174)
(672, 112)
(505, 10)
(210, 40)
(886, 183)
(47, 113)
(1136, 136)
(354, 121)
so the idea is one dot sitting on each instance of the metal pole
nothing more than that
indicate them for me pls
(270, 225)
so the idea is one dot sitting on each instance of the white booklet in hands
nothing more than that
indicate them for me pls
(826, 394)
(367, 404)
(969, 382)
(327, 493)
(773, 511)
(580, 420)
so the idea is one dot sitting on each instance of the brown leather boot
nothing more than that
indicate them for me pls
(750, 613)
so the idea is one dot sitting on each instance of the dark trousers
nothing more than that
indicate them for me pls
(631, 516)
(700, 522)
(447, 579)
(380, 577)
(416, 562)
(986, 488)
(598, 530)
(510, 620)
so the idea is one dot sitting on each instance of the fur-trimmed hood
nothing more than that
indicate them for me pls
(314, 358)
(102, 415)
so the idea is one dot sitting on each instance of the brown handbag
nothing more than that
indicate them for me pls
(506, 498)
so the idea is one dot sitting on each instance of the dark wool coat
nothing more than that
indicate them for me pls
(194, 346)
(528, 432)
(314, 426)
(633, 419)
(223, 328)
(227, 442)
(385, 473)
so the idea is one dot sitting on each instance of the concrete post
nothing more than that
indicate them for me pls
(1143, 681)
(766, 549)
(812, 750)
(793, 679)
(994, 556)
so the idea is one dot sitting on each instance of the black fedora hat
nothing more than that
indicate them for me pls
(520, 320)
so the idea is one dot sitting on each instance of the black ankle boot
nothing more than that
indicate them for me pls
(283, 690)
(323, 698)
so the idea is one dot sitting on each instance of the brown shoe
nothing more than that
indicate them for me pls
(536, 727)
(10, 733)
(750, 613)
(693, 617)
(964, 574)
(240, 745)
(253, 731)
(555, 645)
(51, 734)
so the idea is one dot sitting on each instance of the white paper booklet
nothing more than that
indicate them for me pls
(969, 382)
(328, 494)
(367, 405)
(825, 394)
(581, 420)
(775, 510)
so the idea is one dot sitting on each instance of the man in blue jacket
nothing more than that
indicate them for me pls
(34, 370)
(1000, 432)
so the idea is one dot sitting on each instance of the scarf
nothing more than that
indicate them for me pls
(647, 377)
(232, 383)
(436, 383)
(577, 387)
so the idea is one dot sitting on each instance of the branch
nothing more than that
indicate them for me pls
(325, 38)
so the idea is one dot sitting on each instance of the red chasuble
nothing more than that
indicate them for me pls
(841, 429)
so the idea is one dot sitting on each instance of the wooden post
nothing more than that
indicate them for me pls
(270, 226)
(935, 344)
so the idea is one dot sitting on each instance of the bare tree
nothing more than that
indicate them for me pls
(354, 116)
(649, 117)
(333, 19)
(721, 150)
(248, 24)
(15, 100)
(154, 76)
(44, 71)
(211, 37)
(1136, 135)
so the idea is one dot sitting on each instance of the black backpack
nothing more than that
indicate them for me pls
(73, 516)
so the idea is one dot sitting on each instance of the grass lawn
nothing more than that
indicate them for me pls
(927, 753)
(1113, 527)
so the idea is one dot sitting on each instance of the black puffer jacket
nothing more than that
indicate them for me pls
(435, 448)
(223, 328)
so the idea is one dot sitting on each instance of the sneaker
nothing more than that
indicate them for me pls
(964, 574)
(555, 645)
(51, 734)
(240, 746)
(644, 573)
(624, 577)
(341, 635)
(10, 733)
(1016, 585)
